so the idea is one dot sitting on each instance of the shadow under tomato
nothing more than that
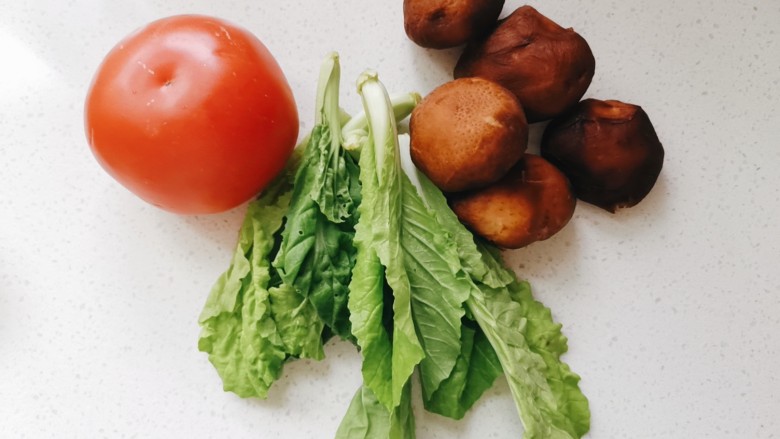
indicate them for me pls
(220, 229)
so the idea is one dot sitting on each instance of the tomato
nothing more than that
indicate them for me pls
(192, 114)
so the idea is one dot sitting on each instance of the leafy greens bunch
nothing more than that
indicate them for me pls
(352, 241)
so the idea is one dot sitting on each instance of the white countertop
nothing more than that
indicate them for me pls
(672, 308)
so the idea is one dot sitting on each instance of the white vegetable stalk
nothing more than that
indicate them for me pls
(355, 130)
(381, 120)
(328, 97)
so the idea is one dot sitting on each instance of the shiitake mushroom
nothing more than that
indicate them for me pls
(608, 149)
(548, 67)
(532, 202)
(467, 133)
(440, 24)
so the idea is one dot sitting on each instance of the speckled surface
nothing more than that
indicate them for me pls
(672, 308)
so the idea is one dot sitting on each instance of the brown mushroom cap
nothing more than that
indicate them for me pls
(439, 24)
(531, 203)
(608, 149)
(467, 133)
(548, 67)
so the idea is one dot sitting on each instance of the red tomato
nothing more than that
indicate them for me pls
(192, 114)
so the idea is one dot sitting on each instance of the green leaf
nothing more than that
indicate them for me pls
(482, 262)
(503, 323)
(497, 275)
(422, 264)
(367, 418)
(438, 285)
(333, 174)
(297, 323)
(548, 406)
(470, 257)
(238, 329)
(379, 237)
(521, 330)
(476, 370)
(366, 307)
(546, 339)
(316, 255)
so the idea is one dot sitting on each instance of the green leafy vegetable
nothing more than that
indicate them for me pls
(546, 340)
(367, 309)
(438, 287)
(570, 410)
(504, 325)
(317, 254)
(367, 418)
(259, 315)
(296, 322)
(475, 371)
(378, 242)
(423, 263)
(521, 330)
(361, 252)
(429, 262)
(489, 271)
(238, 328)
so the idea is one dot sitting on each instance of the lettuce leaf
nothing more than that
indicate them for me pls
(388, 360)
(475, 371)
(421, 266)
(438, 288)
(504, 325)
(260, 314)
(367, 309)
(527, 341)
(571, 410)
(316, 255)
(238, 328)
(297, 323)
(367, 418)
(546, 340)
(489, 271)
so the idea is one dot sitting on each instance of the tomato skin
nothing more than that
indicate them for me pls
(192, 114)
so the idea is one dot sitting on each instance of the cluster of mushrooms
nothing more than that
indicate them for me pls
(470, 135)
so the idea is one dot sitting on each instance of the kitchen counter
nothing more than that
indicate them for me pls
(672, 308)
